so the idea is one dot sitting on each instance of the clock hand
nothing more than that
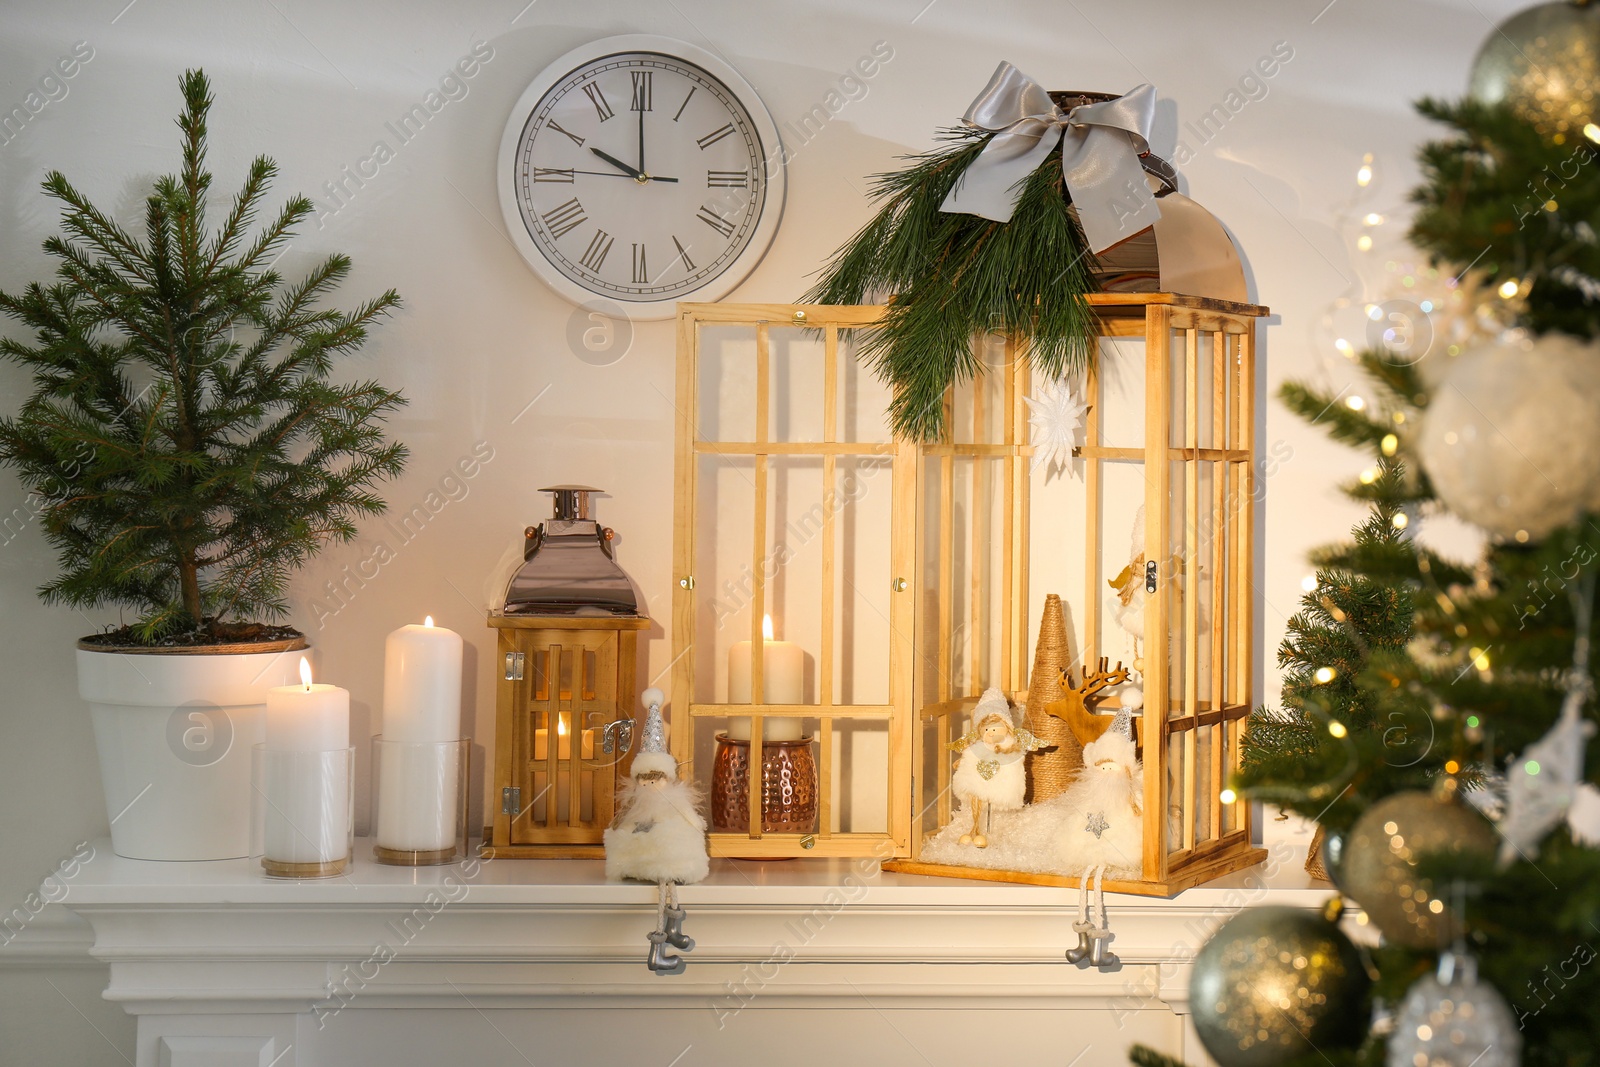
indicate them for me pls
(641, 142)
(636, 175)
(615, 174)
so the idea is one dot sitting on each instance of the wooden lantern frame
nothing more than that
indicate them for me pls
(1183, 430)
(568, 674)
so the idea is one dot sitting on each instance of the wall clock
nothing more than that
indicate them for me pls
(643, 170)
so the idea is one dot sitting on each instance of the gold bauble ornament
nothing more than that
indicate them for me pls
(1545, 63)
(1275, 983)
(1379, 869)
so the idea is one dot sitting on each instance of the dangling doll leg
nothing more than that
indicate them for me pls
(659, 960)
(674, 916)
(1083, 926)
(979, 810)
(1100, 954)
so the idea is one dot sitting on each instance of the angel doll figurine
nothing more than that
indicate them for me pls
(990, 772)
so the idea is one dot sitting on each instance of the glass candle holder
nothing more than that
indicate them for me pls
(304, 811)
(419, 801)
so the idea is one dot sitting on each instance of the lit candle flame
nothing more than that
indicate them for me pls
(561, 727)
(305, 672)
(766, 627)
(427, 620)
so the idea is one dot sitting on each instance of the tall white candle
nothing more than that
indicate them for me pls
(422, 684)
(306, 784)
(418, 787)
(782, 682)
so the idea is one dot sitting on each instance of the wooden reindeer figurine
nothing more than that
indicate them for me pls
(1073, 707)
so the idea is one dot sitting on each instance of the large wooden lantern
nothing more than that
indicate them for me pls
(1150, 541)
(914, 577)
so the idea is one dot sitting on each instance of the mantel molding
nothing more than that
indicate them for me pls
(534, 927)
(187, 942)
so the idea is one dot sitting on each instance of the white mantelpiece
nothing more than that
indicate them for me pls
(542, 962)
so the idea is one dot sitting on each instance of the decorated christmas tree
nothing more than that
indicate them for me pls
(1437, 717)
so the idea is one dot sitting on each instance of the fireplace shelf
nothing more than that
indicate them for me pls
(222, 966)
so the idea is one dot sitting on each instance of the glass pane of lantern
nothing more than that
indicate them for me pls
(1119, 392)
(795, 385)
(724, 579)
(859, 795)
(727, 381)
(863, 400)
(862, 580)
(792, 562)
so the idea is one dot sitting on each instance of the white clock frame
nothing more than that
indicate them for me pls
(773, 160)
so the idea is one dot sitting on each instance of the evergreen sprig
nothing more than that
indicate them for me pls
(183, 440)
(952, 277)
(1516, 205)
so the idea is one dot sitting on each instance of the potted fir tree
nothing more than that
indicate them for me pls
(187, 452)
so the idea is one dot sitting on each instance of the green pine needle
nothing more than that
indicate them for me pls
(950, 278)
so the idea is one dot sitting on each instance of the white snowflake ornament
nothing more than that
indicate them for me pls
(1057, 416)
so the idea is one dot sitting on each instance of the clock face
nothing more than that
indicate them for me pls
(641, 174)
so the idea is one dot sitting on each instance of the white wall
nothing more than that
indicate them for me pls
(312, 84)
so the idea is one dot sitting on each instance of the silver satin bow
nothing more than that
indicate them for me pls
(1100, 148)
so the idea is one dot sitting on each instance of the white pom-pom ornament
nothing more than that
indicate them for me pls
(1505, 437)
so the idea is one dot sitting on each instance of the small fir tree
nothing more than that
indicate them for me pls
(183, 441)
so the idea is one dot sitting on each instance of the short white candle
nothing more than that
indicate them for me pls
(422, 684)
(782, 682)
(307, 772)
(307, 717)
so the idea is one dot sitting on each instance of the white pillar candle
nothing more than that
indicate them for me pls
(418, 787)
(306, 782)
(307, 717)
(782, 682)
(422, 684)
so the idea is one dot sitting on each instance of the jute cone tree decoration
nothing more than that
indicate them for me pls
(1050, 770)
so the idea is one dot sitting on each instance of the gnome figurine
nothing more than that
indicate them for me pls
(990, 772)
(658, 836)
(1103, 829)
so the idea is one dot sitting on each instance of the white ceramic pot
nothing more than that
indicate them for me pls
(174, 732)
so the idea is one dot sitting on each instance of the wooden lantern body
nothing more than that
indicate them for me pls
(1170, 429)
(561, 682)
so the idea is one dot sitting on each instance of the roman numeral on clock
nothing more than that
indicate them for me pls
(683, 254)
(641, 90)
(596, 253)
(598, 99)
(641, 274)
(552, 174)
(715, 221)
(727, 179)
(564, 218)
(714, 136)
(556, 126)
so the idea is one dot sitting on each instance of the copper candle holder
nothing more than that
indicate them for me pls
(788, 787)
